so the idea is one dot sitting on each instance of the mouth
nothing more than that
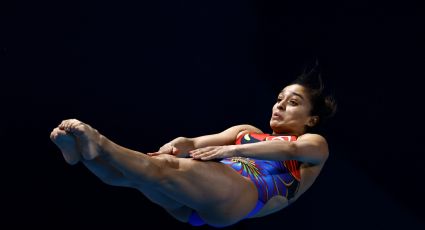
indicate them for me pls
(276, 116)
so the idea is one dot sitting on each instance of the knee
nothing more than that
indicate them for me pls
(166, 160)
(167, 171)
(158, 172)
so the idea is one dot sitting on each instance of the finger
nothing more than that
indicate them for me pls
(154, 154)
(202, 154)
(165, 148)
(201, 150)
(208, 157)
(166, 151)
(194, 153)
(175, 151)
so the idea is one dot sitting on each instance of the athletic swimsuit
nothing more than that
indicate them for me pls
(271, 178)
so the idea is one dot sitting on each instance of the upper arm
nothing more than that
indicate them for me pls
(227, 137)
(311, 148)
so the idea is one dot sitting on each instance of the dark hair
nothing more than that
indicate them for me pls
(323, 104)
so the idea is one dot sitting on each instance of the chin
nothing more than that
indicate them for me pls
(274, 128)
(274, 125)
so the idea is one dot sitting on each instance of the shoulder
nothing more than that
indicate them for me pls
(235, 131)
(316, 141)
(244, 129)
(313, 137)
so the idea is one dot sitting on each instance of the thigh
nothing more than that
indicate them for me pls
(213, 189)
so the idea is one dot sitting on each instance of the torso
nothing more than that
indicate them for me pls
(292, 178)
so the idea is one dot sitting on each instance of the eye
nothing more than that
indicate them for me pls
(278, 99)
(292, 102)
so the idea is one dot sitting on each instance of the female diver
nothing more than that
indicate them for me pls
(218, 179)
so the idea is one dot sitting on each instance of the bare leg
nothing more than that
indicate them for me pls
(112, 176)
(212, 189)
(69, 146)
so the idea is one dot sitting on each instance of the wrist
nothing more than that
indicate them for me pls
(238, 151)
(191, 142)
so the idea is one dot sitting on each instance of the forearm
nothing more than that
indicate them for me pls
(209, 140)
(227, 137)
(270, 150)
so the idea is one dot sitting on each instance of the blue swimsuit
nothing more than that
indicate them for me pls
(271, 178)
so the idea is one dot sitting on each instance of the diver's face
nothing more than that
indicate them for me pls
(291, 112)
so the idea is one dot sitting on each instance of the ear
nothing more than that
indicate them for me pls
(312, 121)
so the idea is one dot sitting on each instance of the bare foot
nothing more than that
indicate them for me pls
(67, 144)
(88, 138)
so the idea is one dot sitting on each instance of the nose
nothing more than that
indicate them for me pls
(281, 105)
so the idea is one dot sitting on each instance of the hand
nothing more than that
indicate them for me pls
(177, 147)
(166, 149)
(214, 152)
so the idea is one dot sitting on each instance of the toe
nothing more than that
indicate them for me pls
(68, 124)
(74, 121)
(78, 129)
(55, 133)
(62, 125)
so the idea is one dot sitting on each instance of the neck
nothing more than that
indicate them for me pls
(288, 133)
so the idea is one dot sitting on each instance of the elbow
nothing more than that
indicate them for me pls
(312, 154)
(293, 151)
(183, 140)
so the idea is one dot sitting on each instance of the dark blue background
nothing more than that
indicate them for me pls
(145, 72)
